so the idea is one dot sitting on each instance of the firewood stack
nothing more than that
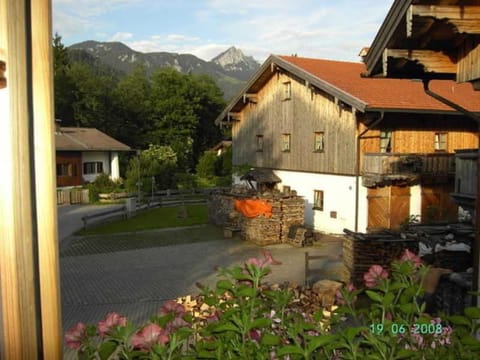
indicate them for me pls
(286, 211)
(299, 236)
(364, 250)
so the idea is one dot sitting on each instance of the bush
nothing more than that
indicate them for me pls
(102, 184)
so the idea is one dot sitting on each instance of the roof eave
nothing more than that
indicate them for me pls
(373, 59)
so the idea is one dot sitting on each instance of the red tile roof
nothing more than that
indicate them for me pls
(387, 94)
(86, 139)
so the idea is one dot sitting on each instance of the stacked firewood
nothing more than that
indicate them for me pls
(292, 214)
(262, 230)
(360, 254)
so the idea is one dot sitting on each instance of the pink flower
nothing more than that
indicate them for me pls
(172, 306)
(255, 335)
(149, 336)
(374, 275)
(410, 256)
(75, 336)
(112, 320)
(267, 260)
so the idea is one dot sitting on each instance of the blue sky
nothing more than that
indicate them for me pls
(311, 28)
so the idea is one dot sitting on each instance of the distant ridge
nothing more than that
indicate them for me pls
(230, 69)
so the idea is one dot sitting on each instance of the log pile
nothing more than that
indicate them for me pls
(287, 210)
(299, 236)
(360, 251)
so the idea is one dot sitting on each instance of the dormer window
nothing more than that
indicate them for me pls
(441, 141)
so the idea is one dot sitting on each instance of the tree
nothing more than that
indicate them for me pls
(157, 164)
(63, 84)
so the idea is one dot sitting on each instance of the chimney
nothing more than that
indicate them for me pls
(364, 53)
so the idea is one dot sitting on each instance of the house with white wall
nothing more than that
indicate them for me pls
(364, 153)
(84, 153)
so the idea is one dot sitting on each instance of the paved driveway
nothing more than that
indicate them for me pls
(70, 217)
(137, 282)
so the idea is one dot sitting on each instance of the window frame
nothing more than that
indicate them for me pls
(389, 145)
(437, 142)
(286, 142)
(287, 90)
(259, 143)
(318, 200)
(93, 167)
(321, 135)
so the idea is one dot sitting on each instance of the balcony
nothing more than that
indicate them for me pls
(384, 168)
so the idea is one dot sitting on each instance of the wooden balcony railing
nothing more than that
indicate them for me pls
(408, 164)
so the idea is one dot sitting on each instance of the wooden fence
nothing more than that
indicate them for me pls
(72, 196)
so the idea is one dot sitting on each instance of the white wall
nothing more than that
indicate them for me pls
(95, 156)
(339, 196)
(114, 166)
(416, 201)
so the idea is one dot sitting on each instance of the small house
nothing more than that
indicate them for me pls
(84, 153)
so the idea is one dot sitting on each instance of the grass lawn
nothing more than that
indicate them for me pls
(108, 243)
(165, 217)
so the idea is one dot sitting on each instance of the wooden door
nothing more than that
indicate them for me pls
(437, 204)
(388, 207)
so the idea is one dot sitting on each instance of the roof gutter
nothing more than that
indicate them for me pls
(476, 241)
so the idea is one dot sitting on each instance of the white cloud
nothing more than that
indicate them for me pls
(87, 8)
(121, 36)
(179, 37)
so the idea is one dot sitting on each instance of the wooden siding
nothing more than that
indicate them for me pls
(306, 112)
(75, 159)
(415, 133)
(468, 66)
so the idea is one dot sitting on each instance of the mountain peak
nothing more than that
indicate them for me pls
(233, 60)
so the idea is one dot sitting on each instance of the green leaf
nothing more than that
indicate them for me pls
(459, 320)
(472, 312)
(225, 327)
(245, 291)
(224, 284)
(203, 354)
(107, 349)
(408, 309)
(352, 332)
(405, 354)
(270, 340)
(388, 299)
(471, 341)
(319, 341)
(289, 349)
(260, 323)
(374, 296)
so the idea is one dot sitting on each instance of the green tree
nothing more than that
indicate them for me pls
(157, 164)
(133, 108)
(63, 84)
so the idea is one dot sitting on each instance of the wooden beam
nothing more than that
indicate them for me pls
(234, 116)
(465, 18)
(249, 97)
(19, 306)
(432, 61)
(3, 79)
(45, 178)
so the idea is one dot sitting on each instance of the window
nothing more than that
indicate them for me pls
(66, 169)
(286, 189)
(385, 141)
(318, 141)
(286, 142)
(318, 200)
(92, 167)
(440, 141)
(259, 143)
(287, 90)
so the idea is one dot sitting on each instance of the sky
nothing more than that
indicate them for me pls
(326, 29)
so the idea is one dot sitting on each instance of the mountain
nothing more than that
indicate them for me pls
(229, 69)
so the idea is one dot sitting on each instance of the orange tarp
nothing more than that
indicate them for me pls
(253, 208)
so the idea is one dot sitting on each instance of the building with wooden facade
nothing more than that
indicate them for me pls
(84, 153)
(364, 153)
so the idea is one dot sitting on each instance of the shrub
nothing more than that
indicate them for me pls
(243, 319)
(102, 184)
